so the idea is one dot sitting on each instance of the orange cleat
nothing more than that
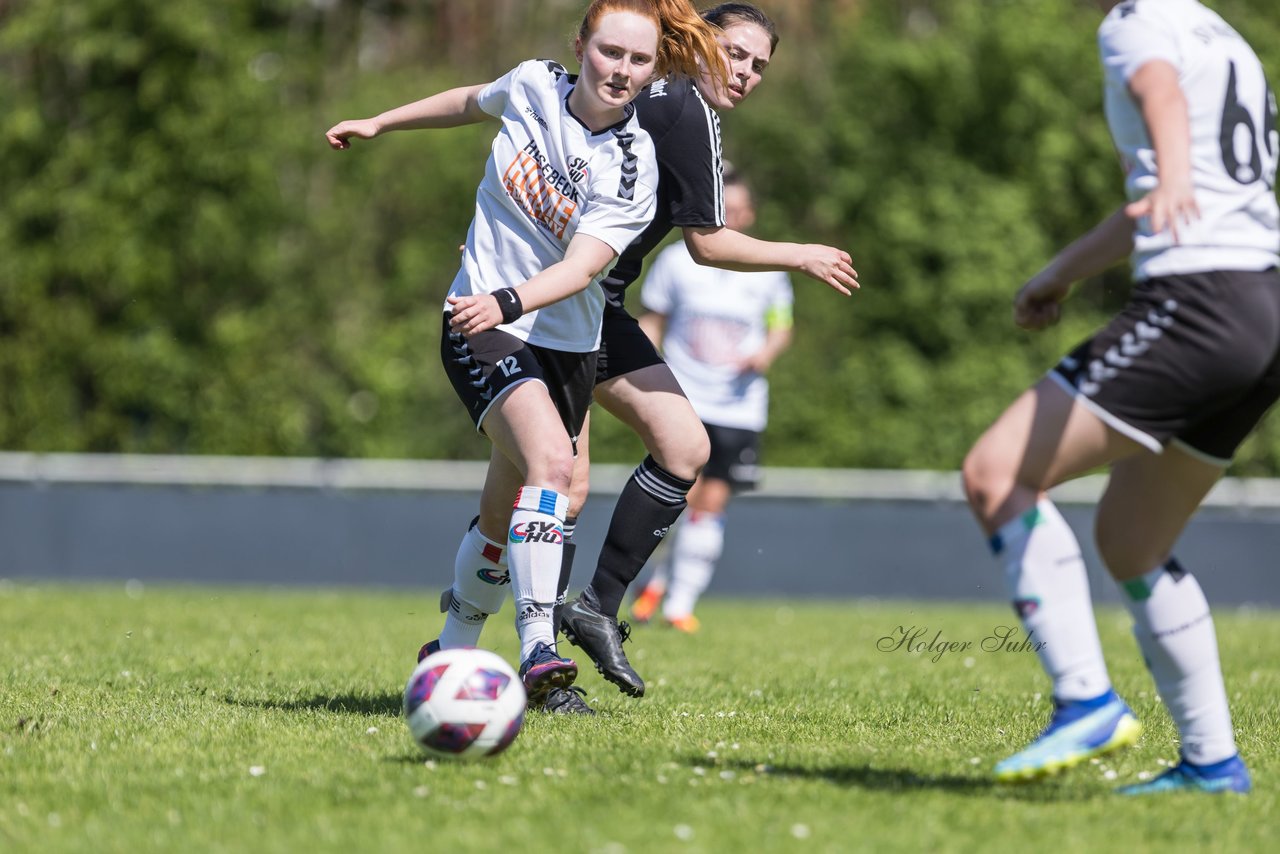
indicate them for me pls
(646, 604)
(687, 624)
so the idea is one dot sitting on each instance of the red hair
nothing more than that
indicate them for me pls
(686, 43)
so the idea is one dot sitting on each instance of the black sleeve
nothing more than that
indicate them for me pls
(686, 134)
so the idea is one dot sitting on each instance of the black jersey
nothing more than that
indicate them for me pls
(686, 133)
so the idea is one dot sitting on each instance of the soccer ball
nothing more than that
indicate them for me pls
(464, 704)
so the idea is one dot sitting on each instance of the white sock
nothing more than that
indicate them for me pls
(1046, 577)
(480, 582)
(698, 545)
(1174, 629)
(662, 565)
(535, 550)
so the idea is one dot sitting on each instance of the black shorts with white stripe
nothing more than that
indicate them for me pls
(484, 367)
(1192, 359)
(624, 348)
(735, 456)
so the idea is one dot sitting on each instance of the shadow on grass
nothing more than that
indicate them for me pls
(341, 704)
(905, 779)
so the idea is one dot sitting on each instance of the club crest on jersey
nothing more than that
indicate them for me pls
(539, 189)
(577, 169)
(536, 532)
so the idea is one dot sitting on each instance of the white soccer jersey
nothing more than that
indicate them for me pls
(549, 178)
(1233, 135)
(715, 318)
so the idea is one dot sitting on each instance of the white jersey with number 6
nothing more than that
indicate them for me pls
(1234, 144)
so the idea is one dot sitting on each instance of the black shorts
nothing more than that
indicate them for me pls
(735, 456)
(486, 366)
(624, 347)
(1192, 359)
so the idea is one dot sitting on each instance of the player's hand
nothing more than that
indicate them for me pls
(1038, 304)
(339, 136)
(756, 363)
(1170, 205)
(833, 267)
(472, 314)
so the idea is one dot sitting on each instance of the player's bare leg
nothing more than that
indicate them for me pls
(650, 402)
(1044, 438)
(1147, 504)
(525, 427)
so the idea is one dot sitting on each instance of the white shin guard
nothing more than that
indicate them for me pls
(480, 585)
(699, 542)
(1047, 580)
(1174, 630)
(535, 554)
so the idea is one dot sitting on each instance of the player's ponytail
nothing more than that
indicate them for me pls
(687, 43)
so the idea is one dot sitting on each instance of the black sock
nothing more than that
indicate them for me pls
(566, 570)
(649, 505)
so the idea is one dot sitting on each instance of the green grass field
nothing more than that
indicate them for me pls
(212, 719)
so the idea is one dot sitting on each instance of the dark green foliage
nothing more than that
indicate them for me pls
(186, 267)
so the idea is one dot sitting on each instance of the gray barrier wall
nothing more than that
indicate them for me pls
(807, 533)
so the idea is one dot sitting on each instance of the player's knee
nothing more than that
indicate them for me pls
(684, 454)
(552, 468)
(1123, 554)
(985, 477)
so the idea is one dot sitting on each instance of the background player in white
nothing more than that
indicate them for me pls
(720, 331)
(571, 183)
(1163, 395)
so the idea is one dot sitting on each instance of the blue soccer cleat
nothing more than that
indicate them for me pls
(1078, 731)
(544, 671)
(1229, 775)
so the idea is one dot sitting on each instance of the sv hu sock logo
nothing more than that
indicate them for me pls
(536, 532)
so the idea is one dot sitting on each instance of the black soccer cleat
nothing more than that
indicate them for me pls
(566, 701)
(601, 638)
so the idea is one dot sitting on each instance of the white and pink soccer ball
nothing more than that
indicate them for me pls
(464, 704)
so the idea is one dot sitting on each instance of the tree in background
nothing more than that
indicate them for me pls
(184, 267)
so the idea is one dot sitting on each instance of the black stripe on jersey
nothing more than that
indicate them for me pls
(630, 170)
(554, 67)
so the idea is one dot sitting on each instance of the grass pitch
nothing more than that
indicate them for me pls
(213, 719)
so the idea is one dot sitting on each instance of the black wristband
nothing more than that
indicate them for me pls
(509, 304)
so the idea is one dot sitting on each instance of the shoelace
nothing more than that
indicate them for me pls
(624, 631)
(580, 699)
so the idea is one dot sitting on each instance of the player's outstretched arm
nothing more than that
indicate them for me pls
(447, 109)
(582, 262)
(733, 250)
(1154, 87)
(1039, 302)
